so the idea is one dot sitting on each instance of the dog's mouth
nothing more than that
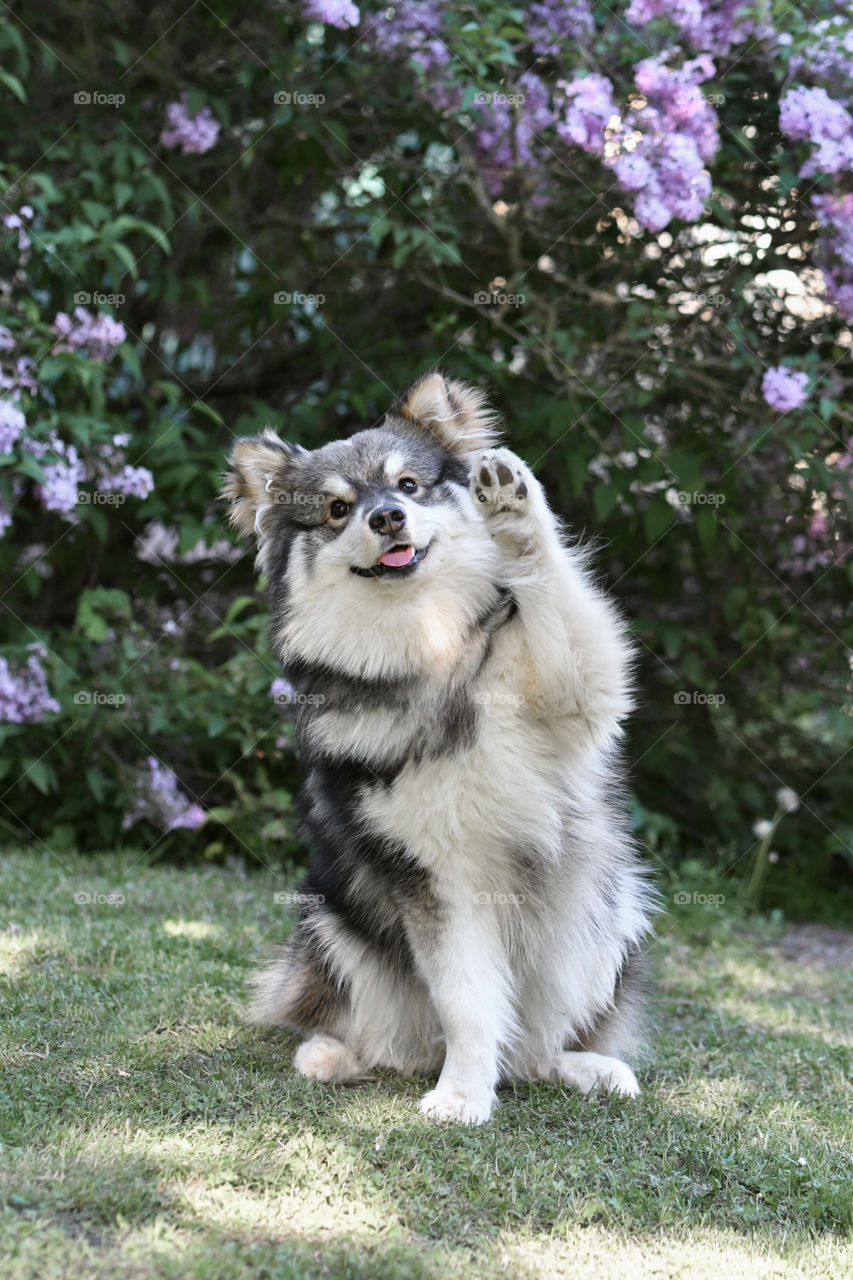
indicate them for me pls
(396, 562)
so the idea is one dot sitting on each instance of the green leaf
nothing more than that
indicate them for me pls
(13, 83)
(40, 774)
(706, 526)
(657, 518)
(97, 606)
(604, 499)
(238, 606)
(97, 782)
(29, 466)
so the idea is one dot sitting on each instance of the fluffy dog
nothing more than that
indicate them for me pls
(474, 907)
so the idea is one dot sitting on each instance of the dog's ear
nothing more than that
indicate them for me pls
(261, 471)
(456, 414)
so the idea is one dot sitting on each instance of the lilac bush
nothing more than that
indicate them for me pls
(633, 224)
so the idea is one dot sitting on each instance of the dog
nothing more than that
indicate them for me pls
(475, 908)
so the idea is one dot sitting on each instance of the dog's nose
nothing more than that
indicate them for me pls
(387, 520)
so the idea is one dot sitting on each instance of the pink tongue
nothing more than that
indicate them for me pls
(398, 557)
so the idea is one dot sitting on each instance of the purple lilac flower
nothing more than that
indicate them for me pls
(505, 136)
(810, 115)
(194, 134)
(828, 57)
(134, 482)
(336, 13)
(505, 141)
(7, 341)
(5, 518)
(24, 695)
(687, 15)
(59, 489)
(25, 375)
(158, 797)
(414, 31)
(589, 109)
(657, 149)
(12, 423)
(62, 474)
(784, 389)
(678, 134)
(282, 690)
(835, 253)
(552, 23)
(97, 334)
(713, 25)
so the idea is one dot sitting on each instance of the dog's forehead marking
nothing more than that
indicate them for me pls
(394, 464)
(333, 482)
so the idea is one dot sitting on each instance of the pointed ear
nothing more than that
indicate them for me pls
(458, 415)
(261, 470)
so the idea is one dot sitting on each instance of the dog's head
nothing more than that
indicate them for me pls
(382, 519)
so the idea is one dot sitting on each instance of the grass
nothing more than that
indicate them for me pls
(147, 1132)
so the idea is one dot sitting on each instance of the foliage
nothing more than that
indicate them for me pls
(286, 221)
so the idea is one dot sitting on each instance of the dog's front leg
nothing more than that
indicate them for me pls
(462, 961)
(575, 640)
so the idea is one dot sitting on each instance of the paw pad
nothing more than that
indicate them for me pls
(499, 481)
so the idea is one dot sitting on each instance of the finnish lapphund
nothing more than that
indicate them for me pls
(474, 908)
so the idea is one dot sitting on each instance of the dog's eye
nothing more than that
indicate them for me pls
(408, 485)
(338, 509)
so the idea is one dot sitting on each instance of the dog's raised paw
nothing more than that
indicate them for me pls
(452, 1104)
(500, 482)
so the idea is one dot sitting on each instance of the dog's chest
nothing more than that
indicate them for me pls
(470, 806)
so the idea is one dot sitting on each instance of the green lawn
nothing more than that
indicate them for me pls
(147, 1132)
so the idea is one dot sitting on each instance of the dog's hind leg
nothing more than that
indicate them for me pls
(326, 1058)
(593, 1072)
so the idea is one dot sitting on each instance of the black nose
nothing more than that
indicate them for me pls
(387, 520)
